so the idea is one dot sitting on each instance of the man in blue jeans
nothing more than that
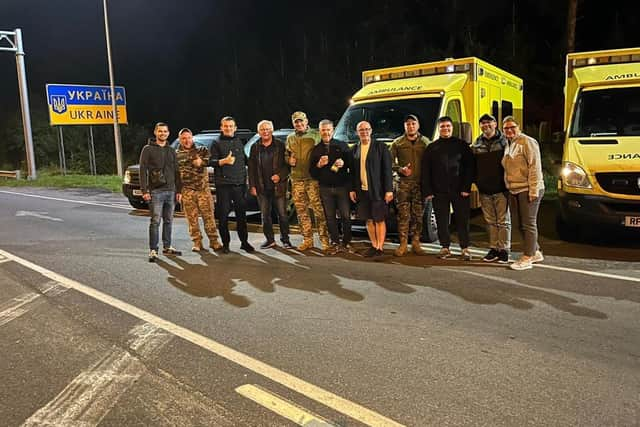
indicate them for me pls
(160, 184)
(268, 175)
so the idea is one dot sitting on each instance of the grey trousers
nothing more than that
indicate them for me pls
(495, 209)
(525, 218)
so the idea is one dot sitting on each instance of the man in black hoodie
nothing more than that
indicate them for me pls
(488, 150)
(228, 160)
(447, 173)
(160, 185)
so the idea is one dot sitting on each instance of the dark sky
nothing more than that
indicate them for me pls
(190, 62)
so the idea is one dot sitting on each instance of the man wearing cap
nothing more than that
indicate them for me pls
(196, 195)
(305, 190)
(488, 151)
(406, 154)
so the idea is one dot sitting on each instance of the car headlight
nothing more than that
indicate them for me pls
(127, 177)
(574, 176)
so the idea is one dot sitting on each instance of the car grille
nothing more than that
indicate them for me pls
(620, 182)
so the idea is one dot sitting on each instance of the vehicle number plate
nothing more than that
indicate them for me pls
(137, 192)
(632, 221)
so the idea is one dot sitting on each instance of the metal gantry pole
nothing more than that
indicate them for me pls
(15, 45)
(116, 129)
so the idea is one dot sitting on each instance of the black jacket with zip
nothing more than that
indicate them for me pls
(155, 161)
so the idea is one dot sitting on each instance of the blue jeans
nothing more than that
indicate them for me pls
(268, 200)
(162, 205)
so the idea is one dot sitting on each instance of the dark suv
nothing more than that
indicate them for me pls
(131, 182)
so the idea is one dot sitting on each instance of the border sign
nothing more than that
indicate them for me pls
(84, 104)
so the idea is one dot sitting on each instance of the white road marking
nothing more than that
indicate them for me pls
(340, 404)
(282, 406)
(551, 267)
(3, 259)
(92, 394)
(40, 215)
(81, 202)
(15, 307)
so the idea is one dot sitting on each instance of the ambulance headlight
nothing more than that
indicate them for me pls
(574, 176)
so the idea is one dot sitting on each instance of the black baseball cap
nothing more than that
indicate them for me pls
(487, 117)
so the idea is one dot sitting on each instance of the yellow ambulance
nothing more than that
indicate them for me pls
(600, 178)
(463, 89)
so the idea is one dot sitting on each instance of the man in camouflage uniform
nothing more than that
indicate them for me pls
(305, 190)
(196, 196)
(406, 153)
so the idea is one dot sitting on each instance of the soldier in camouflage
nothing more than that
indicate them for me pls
(196, 195)
(406, 153)
(305, 190)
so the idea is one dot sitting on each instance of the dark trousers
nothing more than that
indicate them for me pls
(228, 198)
(461, 209)
(268, 200)
(336, 199)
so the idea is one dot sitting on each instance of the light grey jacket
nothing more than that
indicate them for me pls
(523, 166)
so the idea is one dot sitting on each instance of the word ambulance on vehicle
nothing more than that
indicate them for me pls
(463, 89)
(600, 178)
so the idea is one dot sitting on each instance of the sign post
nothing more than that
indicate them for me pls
(14, 39)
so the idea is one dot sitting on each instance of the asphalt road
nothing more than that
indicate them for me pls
(93, 334)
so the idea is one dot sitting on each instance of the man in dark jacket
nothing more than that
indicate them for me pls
(160, 185)
(447, 173)
(372, 186)
(230, 171)
(268, 175)
(331, 164)
(488, 150)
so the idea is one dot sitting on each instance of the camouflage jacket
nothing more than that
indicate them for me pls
(192, 177)
(300, 145)
(405, 152)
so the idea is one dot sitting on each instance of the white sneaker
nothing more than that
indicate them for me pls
(524, 263)
(153, 255)
(537, 257)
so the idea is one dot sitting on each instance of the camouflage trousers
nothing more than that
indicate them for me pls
(410, 209)
(306, 195)
(199, 203)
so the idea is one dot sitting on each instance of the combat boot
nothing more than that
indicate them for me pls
(402, 249)
(416, 247)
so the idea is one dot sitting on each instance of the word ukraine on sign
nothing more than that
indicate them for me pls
(84, 104)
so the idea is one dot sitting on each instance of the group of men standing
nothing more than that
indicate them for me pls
(326, 175)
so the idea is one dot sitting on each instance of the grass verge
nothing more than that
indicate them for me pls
(111, 183)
